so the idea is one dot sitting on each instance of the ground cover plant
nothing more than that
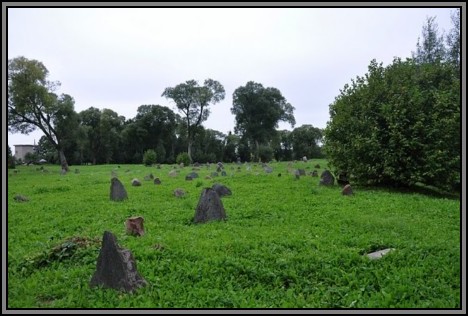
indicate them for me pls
(286, 242)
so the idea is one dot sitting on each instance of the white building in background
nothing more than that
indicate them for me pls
(22, 150)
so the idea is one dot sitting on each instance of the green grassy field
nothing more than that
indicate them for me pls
(286, 243)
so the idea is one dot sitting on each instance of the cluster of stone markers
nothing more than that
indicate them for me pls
(116, 267)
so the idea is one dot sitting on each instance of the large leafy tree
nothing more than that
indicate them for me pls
(111, 127)
(398, 125)
(160, 124)
(282, 145)
(193, 102)
(33, 104)
(231, 143)
(90, 120)
(46, 150)
(257, 112)
(208, 146)
(132, 142)
(305, 141)
(102, 128)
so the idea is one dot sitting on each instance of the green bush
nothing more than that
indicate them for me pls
(11, 159)
(265, 153)
(149, 157)
(160, 153)
(183, 158)
(398, 125)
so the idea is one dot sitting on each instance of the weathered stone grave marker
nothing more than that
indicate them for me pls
(379, 254)
(221, 189)
(20, 198)
(134, 226)
(347, 190)
(209, 207)
(136, 182)
(179, 192)
(116, 267)
(327, 178)
(117, 190)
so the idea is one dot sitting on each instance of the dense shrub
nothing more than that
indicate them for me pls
(11, 159)
(183, 158)
(149, 157)
(398, 125)
(265, 153)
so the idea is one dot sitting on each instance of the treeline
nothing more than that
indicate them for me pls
(102, 136)
(99, 136)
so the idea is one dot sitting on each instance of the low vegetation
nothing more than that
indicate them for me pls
(286, 243)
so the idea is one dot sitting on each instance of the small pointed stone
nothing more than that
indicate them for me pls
(116, 267)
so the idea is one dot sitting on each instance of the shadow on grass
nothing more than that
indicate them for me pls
(418, 188)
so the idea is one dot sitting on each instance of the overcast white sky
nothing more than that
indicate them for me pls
(121, 58)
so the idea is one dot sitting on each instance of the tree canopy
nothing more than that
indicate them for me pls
(33, 104)
(258, 110)
(193, 101)
(400, 124)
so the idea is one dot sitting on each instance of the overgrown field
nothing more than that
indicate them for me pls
(287, 243)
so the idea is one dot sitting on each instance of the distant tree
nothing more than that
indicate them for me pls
(160, 124)
(91, 119)
(32, 104)
(453, 42)
(257, 112)
(149, 157)
(208, 146)
(103, 129)
(160, 153)
(244, 149)
(183, 158)
(46, 150)
(231, 143)
(11, 159)
(305, 141)
(265, 153)
(283, 149)
(68, 126)
(81, 143)
(132, 142)
(432, 48)
(111, 127)
(193, 101)
(31, 157)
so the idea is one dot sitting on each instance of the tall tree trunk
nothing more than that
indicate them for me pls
(257, 153)
(63, 160)
(172, 151)
(189, 150)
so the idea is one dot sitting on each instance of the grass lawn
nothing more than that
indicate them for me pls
(286, 243)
